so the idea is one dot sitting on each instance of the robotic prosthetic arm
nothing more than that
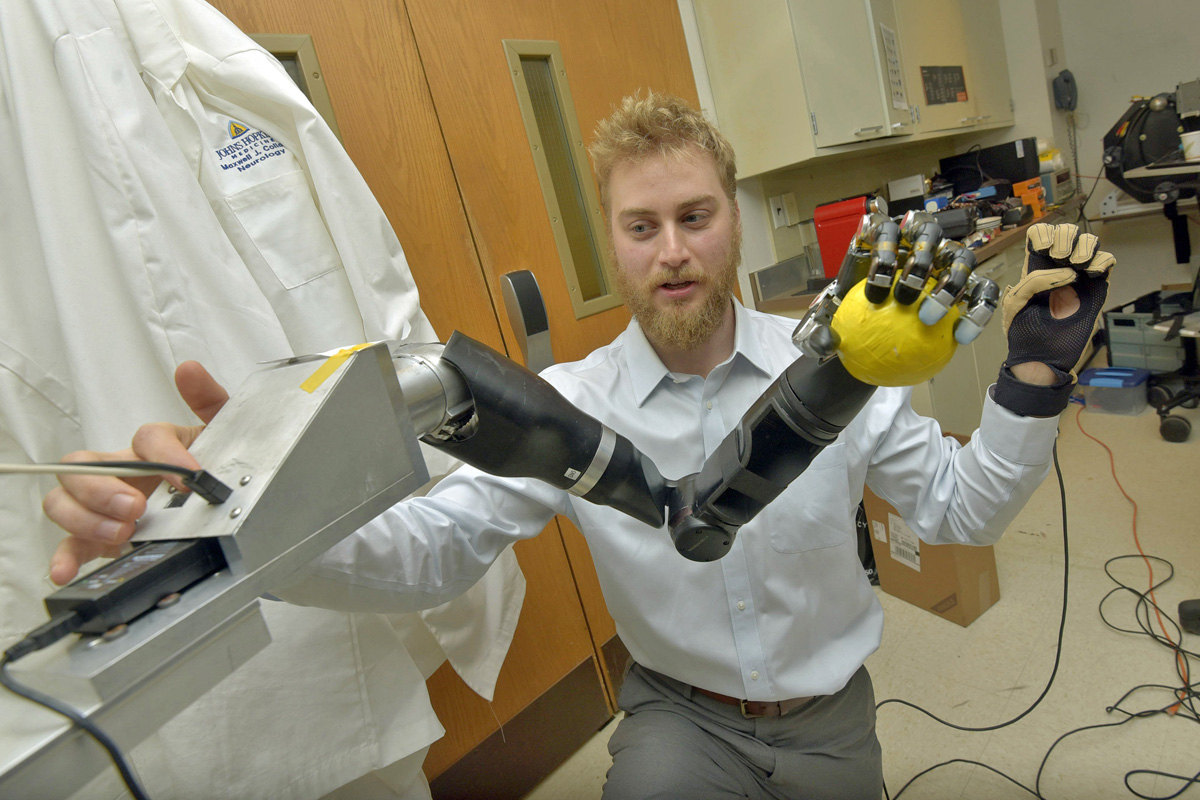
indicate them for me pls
(519, 426)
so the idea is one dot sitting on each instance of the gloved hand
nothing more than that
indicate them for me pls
(902, 302)
(1051, 314)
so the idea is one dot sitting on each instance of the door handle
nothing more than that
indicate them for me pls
(871, 129)
(527, 316)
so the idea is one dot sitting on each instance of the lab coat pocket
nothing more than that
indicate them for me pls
(281, 221)
(813, 512)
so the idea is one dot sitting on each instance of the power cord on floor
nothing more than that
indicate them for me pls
(1050, 682)
(1183, 704)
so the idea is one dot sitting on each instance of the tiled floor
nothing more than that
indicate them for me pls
(992, 671)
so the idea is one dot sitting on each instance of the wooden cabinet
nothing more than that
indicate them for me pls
(989, 62)
(798, 80)
(758, 91)
(955, 63)
(790, 77)
(853, 74)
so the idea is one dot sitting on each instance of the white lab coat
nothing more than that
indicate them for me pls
(169, 194)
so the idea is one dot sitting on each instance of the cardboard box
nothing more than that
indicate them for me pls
(954, 581)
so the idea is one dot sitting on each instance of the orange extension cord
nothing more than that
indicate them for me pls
(1183, 666)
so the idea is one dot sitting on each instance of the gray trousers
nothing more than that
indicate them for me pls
(677, 743)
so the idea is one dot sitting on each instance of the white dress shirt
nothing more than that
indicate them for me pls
(789, 611)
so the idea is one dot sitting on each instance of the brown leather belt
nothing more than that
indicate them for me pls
(757, 708)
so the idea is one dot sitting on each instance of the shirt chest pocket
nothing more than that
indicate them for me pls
(814, 512)
(284, 229)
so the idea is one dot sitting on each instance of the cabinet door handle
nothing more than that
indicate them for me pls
(896, 125)
(871, 129)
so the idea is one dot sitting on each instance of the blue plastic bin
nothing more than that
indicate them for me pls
(1114, 390)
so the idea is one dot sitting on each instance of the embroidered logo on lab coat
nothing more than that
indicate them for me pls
(247, 148)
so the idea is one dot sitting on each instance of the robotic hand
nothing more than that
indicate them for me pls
(903, 299)
(893, 272)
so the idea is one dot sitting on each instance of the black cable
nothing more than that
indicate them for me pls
(1073, 142)
(1053, 672)
(1083, 206)
(961, 761)
(1187, 782)
(53, 631)
(1184, 698)
(1061, 627)
(144, 466)
(1187, 692)
(200, 481)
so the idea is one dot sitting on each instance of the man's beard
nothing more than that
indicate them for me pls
(676, 326)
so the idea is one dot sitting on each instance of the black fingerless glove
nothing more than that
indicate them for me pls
(1055, 257)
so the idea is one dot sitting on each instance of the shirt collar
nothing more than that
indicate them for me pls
(646, 369)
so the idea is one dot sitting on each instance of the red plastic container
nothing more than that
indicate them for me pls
(836, 224)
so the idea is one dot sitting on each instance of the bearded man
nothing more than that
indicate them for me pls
(748, 676)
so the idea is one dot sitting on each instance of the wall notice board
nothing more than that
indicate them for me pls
(944, 85)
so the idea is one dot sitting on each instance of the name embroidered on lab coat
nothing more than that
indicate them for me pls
(248, 148)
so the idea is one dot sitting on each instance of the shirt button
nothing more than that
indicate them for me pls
(741, 605)
(708, 405)
(754, 675)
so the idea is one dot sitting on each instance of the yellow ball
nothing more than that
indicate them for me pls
(886, 344)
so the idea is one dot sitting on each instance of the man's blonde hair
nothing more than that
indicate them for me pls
(657, 124)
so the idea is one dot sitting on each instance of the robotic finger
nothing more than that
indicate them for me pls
(921, 234)
(880, 235)
(984, 296)
(871, 257)
(954, 265)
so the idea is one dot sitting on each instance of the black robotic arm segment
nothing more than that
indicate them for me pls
(801, 413)
(507, 421)
(518, 425)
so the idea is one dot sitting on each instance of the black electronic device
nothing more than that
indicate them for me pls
(956, 222)
(1015, 161)
(128, 587)
(1189, 616)
(1066, 93)
(1148, 133)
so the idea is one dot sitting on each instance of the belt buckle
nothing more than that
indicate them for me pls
(745, 711)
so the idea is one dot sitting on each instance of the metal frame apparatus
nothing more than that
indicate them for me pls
(312, 457)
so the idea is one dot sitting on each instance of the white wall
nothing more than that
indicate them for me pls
(1117, 49)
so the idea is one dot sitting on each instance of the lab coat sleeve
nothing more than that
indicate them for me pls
(951, 493)
(424, 551)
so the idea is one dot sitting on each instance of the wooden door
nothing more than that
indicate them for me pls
(391, 131)
(428, 113)
(610, 48)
